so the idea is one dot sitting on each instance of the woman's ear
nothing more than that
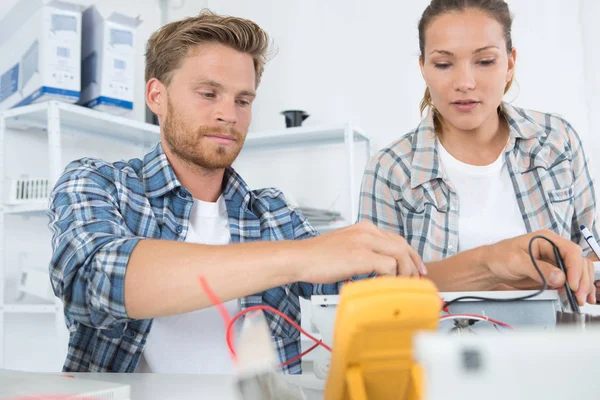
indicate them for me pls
(512, 60)
(421, 66)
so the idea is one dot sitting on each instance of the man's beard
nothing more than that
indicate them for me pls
(184, 143)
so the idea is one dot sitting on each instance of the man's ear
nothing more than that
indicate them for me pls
(156, 97)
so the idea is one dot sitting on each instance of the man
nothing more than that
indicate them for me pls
(130, 239)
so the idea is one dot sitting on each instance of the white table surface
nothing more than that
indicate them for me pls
(188, 387)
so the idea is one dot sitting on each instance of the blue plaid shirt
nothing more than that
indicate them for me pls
(98, 213)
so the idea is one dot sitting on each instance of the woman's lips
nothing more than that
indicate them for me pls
(465, 106)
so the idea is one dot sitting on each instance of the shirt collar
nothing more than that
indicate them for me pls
(235, 189)
(426, 160)
(160, 179)
(521, 124)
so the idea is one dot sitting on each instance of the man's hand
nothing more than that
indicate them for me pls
(360, 249)
(510, 262)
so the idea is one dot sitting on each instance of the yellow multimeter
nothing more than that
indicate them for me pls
(372, 344)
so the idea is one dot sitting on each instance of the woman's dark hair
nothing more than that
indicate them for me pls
(497, 9)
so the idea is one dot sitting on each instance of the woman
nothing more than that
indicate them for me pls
(478, 178)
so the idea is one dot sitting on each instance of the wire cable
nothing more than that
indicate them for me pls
(475, 317)
(274, 311)
(529, 296)
(230, 323)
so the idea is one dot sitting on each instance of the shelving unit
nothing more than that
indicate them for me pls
(306, 136)
(56, 120)
(25, 209)
(30, 308)
(347, 135)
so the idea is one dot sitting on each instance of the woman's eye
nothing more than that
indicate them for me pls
(486, 63)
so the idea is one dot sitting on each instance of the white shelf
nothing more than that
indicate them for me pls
(303, 136)
(37, 208)
(63, 125)
(78, 119)
(29, 308)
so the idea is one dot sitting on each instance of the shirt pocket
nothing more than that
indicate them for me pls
(423, 201)
(561, 204)
(561, 195)
(557, 181)
(105, 349)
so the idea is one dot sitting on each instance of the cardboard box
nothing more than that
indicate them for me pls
(40, 43)
(108, 61)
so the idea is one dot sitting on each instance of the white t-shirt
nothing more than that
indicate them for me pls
(488, 208)
(194, 342)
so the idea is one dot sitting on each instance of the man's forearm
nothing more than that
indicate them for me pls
(465, 271)
(162, 276)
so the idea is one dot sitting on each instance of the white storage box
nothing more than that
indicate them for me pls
(108, 61)
(27, 191)
(40, 43)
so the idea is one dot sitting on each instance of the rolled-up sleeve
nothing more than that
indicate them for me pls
(376, 201)
(583, 192)
(91, 246)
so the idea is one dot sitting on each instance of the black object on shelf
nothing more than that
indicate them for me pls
(294, 117)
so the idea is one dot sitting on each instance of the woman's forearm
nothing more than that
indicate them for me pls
(465, 271)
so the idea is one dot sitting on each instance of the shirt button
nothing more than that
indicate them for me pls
(130, 333)
(179, 229)
(450, 247)
(183, 193)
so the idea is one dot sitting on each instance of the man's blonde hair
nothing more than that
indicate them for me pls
(172, 43)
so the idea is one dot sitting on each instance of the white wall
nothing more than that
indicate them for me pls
(589, 13)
